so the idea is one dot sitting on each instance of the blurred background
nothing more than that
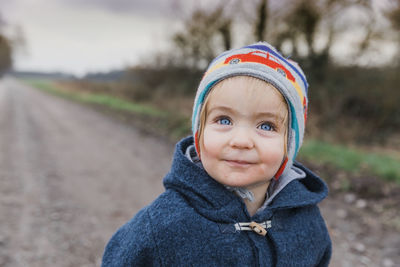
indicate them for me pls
(93, 92)
(349, 50)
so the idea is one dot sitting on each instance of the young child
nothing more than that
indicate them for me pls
(234, 195)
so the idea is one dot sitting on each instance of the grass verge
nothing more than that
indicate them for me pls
(351, 159)
(102, 99)
(148, 117)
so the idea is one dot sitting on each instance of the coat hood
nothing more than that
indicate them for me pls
(213, 200)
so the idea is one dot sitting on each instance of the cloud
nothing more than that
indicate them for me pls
(80, 36)
(148, 8)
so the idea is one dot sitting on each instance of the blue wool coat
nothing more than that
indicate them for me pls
(193, 224)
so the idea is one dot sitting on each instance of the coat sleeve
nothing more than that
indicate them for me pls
(325, 242)
(132, 244)
(324, 262)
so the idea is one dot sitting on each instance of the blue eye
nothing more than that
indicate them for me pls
(224, 121)
(266, 127)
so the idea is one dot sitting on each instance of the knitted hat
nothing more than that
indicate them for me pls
(262, 61)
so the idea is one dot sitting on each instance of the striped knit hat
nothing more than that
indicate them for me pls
(262, 61)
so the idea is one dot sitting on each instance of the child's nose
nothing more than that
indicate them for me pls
(241, 138)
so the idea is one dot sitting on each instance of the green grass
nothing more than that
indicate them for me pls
(174, 125)
(351, 160)
(102, 99)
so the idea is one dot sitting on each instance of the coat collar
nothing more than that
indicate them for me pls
(214, 201)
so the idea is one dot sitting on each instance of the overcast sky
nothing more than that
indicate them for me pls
(80, 36)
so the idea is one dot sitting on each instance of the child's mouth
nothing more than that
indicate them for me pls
(238, 163)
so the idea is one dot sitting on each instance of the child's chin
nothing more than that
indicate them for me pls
(246, 184)
(237, 184)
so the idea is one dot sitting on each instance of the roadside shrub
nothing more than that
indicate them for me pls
(360, 103)
(168, 81)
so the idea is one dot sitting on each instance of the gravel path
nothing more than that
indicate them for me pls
(70, 176)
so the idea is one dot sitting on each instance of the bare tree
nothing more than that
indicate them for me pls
(308, 21)
(204, 35)
(296, 29)
(5, 51)
(393, 14)
(261, 20)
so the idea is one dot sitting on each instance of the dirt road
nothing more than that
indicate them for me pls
(69, 176)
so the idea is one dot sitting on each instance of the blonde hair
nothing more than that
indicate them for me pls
(251, 82)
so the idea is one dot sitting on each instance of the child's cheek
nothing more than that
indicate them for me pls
(212, 142)
(273, 154)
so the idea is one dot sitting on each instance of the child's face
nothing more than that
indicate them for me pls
(243, 140)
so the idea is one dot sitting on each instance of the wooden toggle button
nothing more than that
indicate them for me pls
(258, 228)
